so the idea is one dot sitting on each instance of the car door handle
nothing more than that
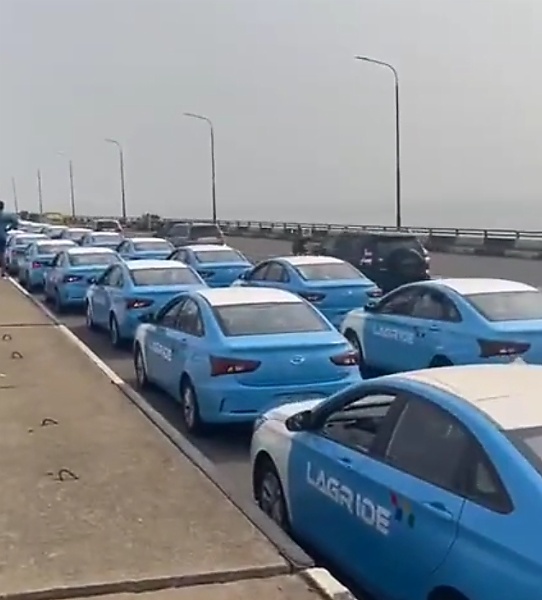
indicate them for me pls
(434, 328)
(440, 509)
(344, 460)
(183, 342)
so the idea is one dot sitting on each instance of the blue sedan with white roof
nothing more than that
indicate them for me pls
(219, 265)
(448, 322)
(38, 259)
(227, 354)
(118, 299)
(54, 231)
(421, 486)
(74, 233)
(72, 272)
(334, 286)
(141, 248)
(17, 244)
(102, 239)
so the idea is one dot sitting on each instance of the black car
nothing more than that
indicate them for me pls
(183, 233)
(389, 259)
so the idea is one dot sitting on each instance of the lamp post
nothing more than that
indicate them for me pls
(72, 182)
(122, 180)
(398, 207)
(40, 193)
(213, 162)
(15, 197)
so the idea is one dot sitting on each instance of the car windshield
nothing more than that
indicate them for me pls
(268, 318)
(217, 256)
(384, 246)
(51, 248)
(508, 306)
(105, 225)
(328, 271)
(152, 245)
(106, 239)
(96, 258)
(164, 276)
(529, 443)
(200, 231)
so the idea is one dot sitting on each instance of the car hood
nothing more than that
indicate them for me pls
(283, 412)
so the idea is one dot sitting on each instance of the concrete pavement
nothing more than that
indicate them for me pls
(95, 500)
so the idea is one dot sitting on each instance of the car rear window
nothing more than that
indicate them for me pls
(217, 256)
(98, 258)
(384, 246)
(75, 234)
(100, 239)
(166, 276)
(268, 319)
(108, 225)
(529, 443)
(328, 271)
(153, 245)
(508, 306)
(51, 248)
(179, 229)
(200, 231)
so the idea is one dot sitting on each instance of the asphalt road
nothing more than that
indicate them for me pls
(229, 449)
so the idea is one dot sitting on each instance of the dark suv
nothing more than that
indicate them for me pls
(183, 233)
(388, 259)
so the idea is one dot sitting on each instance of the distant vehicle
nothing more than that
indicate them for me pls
(388, 259)
(74, 233)
(54, 218)
(102, 239)
(38, 259)
(437, 472)
(16, 248)
(184, 233)
(126, 291)
(227, 354)
(140, 248)
(53, 231)
(332, 285)
(448, 322)
(108, 225)
(72, 272)
(30, 226)
(218, 265)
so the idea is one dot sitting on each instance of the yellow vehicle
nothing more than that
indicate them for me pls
(55, 218)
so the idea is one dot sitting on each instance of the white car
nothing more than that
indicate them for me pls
(16, 248)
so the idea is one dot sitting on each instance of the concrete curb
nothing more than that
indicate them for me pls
(300, 562)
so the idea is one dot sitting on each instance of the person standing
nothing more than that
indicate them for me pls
(8, 222)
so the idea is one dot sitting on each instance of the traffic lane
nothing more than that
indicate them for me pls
(443, 265)
(227, 448)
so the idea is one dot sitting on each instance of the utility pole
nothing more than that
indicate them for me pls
(40, 194)
(15, 198)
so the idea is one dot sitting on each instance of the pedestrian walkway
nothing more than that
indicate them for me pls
(95, 500)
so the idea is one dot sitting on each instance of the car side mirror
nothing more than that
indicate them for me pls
(371, 306)
(93, 280)
(301, 421)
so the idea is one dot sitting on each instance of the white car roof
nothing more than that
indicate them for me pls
(79, 229)
(480, 285)
(106, 233)
(29, 234)
(89, 250)
(135, 265)
(241, 295)
(51, 226)
(147, 239)
(207, 247)
(297, 261)
(507, 394)
(48, 241)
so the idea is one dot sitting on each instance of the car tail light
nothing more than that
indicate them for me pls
(71, 278)
(36, 265)
(375, 293)
(134, 303)
(312, 297)
(489, 348)
(346, 359)
(232, 366)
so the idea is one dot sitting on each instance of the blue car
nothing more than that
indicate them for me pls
(73, 233)
(72, 272)
(220, 266)
(117, 300)
(144, 248)
(229, 353)
(102, 239)
(448, 322)
(334, 286)
(424, 485)
(16, 247)
(38, 260)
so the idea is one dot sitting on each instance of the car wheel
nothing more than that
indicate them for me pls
(59, 305)
(356, 344)
(140, 369)
(114, 332)
(190, 408)
(270, 495)
(88, 317)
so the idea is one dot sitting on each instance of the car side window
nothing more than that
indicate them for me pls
(189, 319)
(259, 273)
(399, 303)
(276, 272)
(168, 318)
(359, 424)
(430, 444)
(180, 255)
(435, 306)
(106, 277)
(114, 277)
(57, 261)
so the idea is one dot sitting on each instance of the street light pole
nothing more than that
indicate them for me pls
(122, 181)
(72, 183)
(398, 207)
(15, 197)
(40, 193)
(213, 161)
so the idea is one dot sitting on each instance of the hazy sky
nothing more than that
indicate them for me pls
(303, 131)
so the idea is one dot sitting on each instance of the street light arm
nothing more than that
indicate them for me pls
(200, 117)
(381, 63)
(111, 141)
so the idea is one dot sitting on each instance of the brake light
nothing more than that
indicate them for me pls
(134, 303)
(346, 359)
(232, 366)
(489, 348)
(375, 293)
(312, 297)
(36, 265)
(71, 278)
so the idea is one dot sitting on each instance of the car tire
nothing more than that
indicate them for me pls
(142, 379)
(440, 361)
(57, 302)
(114, 332)
(190, 408)
(88, 318)
(269, 493)
(352, 337)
